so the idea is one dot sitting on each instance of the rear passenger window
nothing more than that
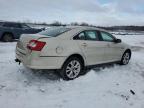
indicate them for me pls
(91, 35)
(87, 35)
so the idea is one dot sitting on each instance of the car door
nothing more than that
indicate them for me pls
(91, 47)
(112, 50)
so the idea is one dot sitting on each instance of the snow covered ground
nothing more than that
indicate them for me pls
(111, 87)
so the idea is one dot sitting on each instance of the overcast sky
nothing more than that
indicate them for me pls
(98, 12)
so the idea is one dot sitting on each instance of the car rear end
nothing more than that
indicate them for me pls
(28, 50)
(37, 52)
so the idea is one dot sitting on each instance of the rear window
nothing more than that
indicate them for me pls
(53, 32)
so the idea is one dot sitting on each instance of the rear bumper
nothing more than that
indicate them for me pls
(33, 61)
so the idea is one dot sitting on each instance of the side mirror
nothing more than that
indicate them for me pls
(118, 41)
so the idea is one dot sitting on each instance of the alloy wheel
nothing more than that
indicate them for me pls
(126, 58)
(73, 69)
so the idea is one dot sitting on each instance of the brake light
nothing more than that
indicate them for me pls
(36, 45)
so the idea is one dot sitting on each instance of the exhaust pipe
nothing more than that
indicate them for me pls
(17, 60)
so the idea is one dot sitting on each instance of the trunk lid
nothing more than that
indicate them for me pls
(24, 40)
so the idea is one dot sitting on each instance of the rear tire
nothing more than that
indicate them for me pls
(71, 69)
(7, 37)
(125, 58)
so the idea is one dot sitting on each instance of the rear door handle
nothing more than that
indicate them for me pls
(84, 44)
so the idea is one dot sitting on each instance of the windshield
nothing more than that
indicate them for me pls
(53, 32)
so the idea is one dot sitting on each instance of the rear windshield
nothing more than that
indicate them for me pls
(53, 32)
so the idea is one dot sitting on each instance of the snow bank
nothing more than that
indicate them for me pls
(108, 87)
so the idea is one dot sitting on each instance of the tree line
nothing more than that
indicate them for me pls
(111, 28)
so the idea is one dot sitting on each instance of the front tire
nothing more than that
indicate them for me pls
(71, 68)
(125, 58)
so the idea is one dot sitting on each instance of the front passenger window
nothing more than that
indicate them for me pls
(107, 37)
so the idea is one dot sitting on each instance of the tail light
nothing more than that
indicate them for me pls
(36, 45)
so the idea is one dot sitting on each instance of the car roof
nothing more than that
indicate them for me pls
(85, 28)
(77, 29)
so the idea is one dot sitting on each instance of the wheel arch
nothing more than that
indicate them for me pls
(79, 56)
(7, 33)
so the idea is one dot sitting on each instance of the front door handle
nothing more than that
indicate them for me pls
(84, 44)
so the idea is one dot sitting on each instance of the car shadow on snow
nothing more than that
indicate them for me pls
(47, 74)
(99, 68)
(38, 76)
(31, 76)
